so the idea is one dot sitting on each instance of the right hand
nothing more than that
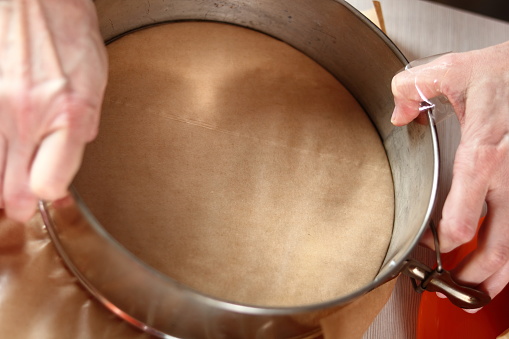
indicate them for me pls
(477, 85)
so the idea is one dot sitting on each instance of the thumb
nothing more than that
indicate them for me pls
(55, 165)
(416, 85)
(60, 153)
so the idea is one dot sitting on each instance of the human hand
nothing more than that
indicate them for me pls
(477, 85)
(53, 69)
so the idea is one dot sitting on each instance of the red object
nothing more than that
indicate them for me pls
(439, 319)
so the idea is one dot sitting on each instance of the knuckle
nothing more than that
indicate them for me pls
(458, 232)
(479, 160)
(450, 90)
(450, 59)
(496, 257)
(487, 158)
(15, 197)
(451, 80)
(82, 118)
(399, 82)
(19, 206)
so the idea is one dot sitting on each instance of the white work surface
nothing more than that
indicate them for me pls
(421, 29)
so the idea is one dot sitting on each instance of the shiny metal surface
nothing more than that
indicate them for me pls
(364, 60)
(426, 279)
(440, 280)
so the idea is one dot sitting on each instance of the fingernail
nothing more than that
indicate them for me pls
(441, 296)
(394, 117)
(472, 311)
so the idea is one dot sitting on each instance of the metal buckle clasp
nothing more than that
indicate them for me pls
(439, 280)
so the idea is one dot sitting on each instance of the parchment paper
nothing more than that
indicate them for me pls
(238, 166)
(41, 299)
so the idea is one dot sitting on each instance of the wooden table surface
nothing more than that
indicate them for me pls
(421, 29)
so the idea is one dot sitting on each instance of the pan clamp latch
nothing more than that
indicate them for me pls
(440, 280)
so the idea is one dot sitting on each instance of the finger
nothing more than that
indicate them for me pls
(55, 165)
(463, 206)
(5, 21)
(3, 153)
(413, 86)
(60, 153)
(497, 282)
(427, 239)
(488, 262)
(19, 201)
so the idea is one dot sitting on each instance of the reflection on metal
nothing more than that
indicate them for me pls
(359, 55)
(440, 280)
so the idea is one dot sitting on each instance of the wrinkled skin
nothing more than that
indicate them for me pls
(53, 69)
(477, 85)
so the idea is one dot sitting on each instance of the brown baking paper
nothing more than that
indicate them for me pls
(40, 298)
(232, 163)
